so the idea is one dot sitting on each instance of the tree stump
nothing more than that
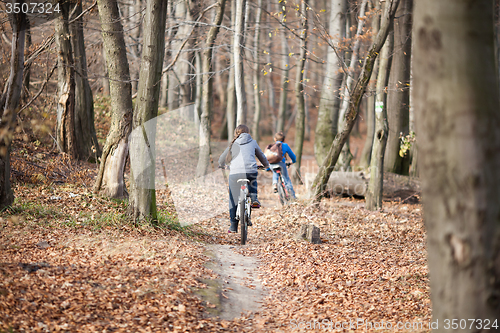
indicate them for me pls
(310, 233)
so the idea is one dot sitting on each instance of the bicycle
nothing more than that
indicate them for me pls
(244, 208)
(283, 193)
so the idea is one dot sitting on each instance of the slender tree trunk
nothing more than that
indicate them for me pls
(256, 74)
(364, 161)
(168, 53)
(398, 93)
(374, 193)
(135, 22)
(142, 201)
(231, 92)
(238, 51)
(27, 69)
(85, 134)
(115, 152)
(183, 67)
(456, 105)
(271, 93)
(326, 126)
(319, 184)
(283, 103)
(299, 91)
(65, 134)
(206, 107)
(199, 89)
(9, 109)
(346, 156)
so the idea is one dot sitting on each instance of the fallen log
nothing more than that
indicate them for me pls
(342, 183)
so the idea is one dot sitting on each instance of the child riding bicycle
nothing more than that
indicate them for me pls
(279, 139)
(240, 156)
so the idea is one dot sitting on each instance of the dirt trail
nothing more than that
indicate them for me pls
(239, 288)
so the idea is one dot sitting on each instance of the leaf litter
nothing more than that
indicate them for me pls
(75, 265)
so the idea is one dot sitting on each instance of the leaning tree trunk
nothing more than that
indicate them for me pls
(326, 126)
(256, 74)
(11, 103)
(65, 132)
(115, 152)
(205, 124)
(319, 184)
(85, 134)
(142, 201)
(346, 156)
(299, 92)
(398, 96)
(456, 107)
(375, 190)
(238, 53)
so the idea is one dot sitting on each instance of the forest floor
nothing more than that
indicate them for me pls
(70, 262)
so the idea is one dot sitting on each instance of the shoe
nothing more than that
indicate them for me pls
(275, 188)
(232, 231)
(256, 204)
(249, 223)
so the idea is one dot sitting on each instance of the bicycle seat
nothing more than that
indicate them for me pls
(243, 181)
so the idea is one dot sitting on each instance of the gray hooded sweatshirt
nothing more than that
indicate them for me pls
(243, 152)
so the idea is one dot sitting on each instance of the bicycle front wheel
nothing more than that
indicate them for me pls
(243, 222)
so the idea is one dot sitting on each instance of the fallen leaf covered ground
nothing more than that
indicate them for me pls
(70, 262)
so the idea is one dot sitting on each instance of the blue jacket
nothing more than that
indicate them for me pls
(285, 148)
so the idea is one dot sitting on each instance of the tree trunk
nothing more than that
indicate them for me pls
(199, 89)
(183, 67)
(27, 69)
(115, 152)
(299, 92)
(105, 77)
(374, 193)
(456, 105)
(231, 93)
(135, 22)
(238, 53)
(65, 135)
(319, 184)
(256, 74)
(13, 95)
(326, 126)
(346, 156)
(142, 202)
(206, 107)
(282, 108)
(365, 158)
(398, 96)
(85, 134)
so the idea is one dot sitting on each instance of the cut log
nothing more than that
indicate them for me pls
(310, 233)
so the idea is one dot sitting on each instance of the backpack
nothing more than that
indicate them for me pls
(274, 153)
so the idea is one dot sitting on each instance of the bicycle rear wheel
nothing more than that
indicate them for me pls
(281, 193)
(243, 222)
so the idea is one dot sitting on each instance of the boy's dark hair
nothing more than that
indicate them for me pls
(279, 137)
